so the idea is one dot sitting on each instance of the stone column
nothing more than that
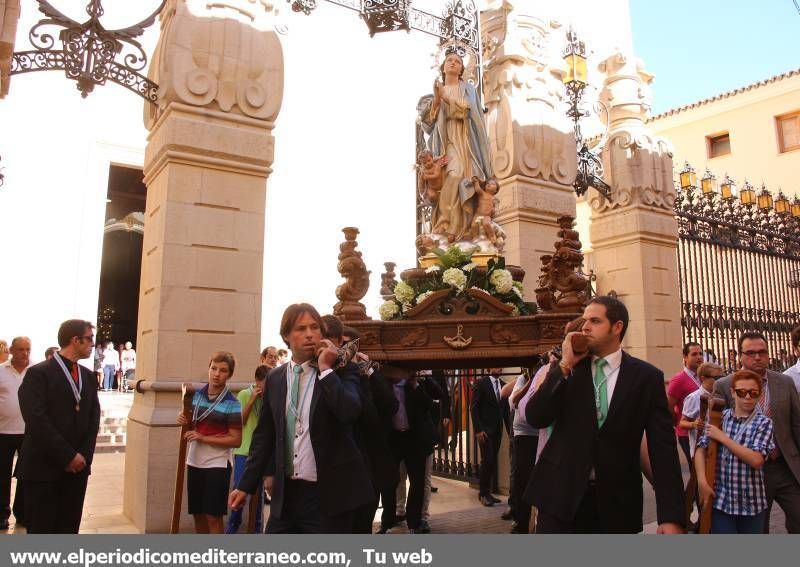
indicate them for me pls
(532, 142)
(634, 234)
(220, 73)
(9, 15)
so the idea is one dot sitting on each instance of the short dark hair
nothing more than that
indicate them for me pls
(282, 352)
(348, 331)
(750, 335)
(293, 313)
(615, 311)
(265, 352)
(49, 352)
(224, 356)
(795, 337)
(72, 328)
(261, 372)
(688, 346)
(332, 327)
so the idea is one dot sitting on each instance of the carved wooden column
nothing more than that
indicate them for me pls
(532, 142)
(9, 15)
(220, 72)
(635, 235)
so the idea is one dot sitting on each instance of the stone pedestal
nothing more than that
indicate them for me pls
(207, 160)
(9, 16)
(635, 235)
(532, 143)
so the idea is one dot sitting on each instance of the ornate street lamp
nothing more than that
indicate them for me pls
(764, 199)
(796, 207)
(708, 184)
(386, 15)
(747, 195)
(590, 167)
(782, 204)
(305, 6)
(688, 177)
(728, 189)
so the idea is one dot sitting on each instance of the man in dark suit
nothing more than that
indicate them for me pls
(588, 477)
(781, 403)
(304, 437)
(411, 440)
(58, 400)
(489, 417)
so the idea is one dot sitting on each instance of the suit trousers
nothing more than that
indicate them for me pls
(10, 444)
(782, 487)
(488, 468)
(302, 513)
(405, 450)
(521, 470)
(364, 516)
(55, 507)
(586, 520)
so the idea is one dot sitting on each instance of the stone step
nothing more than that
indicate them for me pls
(109, 448)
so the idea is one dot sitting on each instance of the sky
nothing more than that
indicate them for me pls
(700, 48)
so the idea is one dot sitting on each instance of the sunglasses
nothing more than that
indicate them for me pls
(743, 393)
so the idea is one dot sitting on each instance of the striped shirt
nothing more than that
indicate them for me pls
(739, 487)
(225, 416)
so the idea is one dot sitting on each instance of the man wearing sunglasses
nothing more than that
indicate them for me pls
(59, 404)
(780, 402)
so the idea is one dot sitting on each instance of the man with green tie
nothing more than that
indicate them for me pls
(600, 403)
(304, 436)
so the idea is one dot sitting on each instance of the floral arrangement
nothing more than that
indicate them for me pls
(456, 271)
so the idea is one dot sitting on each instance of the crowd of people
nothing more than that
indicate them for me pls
(326, 437)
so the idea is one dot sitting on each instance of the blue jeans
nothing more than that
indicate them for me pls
(722, 523)
(235, 517)
(108, 377)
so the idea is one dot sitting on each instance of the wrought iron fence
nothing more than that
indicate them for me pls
(739, 262)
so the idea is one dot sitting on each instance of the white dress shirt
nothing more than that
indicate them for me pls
(496, 386)
(11, 422)
(611, 369)
(793, 372)
(305, 465)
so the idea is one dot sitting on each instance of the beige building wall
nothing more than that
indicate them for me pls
(748, 115)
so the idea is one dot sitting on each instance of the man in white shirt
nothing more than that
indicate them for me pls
(128, 363)
(12, 426)
(110, 366)
(794, 371)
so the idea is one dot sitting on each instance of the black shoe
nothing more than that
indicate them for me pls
(515, 529)
(495, 500)
(486, 501)
(424, 527)
(507, 515)
(399, 519)
(434, 489)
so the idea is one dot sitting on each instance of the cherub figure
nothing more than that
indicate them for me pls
(431, 174)
(485, 210)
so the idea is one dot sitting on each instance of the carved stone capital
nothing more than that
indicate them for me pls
(220, 55)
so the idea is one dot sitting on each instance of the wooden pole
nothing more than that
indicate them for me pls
(714, 409)
(187, 391)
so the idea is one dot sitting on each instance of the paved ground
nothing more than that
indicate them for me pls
(454, 509)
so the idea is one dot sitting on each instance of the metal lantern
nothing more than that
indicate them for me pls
(708, 183)
(688, 177)
(747, 195)
(575, 60)
(796, 207)
(764, 199)
(385, 15)
(728, 188)
(782, 204)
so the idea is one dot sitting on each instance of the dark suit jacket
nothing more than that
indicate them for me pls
(785, 405)
(418, 411)
(378, 405)
(342, 478)
(576, 445)
(54, 431)
(488, 413)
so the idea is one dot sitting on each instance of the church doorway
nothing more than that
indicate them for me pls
(121, 268)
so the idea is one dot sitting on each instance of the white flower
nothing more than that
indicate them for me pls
(404, 292)
(405, 307)
(515, 312)
(423, 296)
(389, 310)
(517, 291)
(469, 267)
(502, 281)
(454, 277)
(433, 269)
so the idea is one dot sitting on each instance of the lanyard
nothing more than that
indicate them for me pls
(76, 390)
(207, 412)
(290, 375)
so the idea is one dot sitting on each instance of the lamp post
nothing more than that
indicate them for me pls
(688, 177)
(747, 196)
(590, 168)
(708, 184)
(765, 200)
(728, 189)
(782, 205)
